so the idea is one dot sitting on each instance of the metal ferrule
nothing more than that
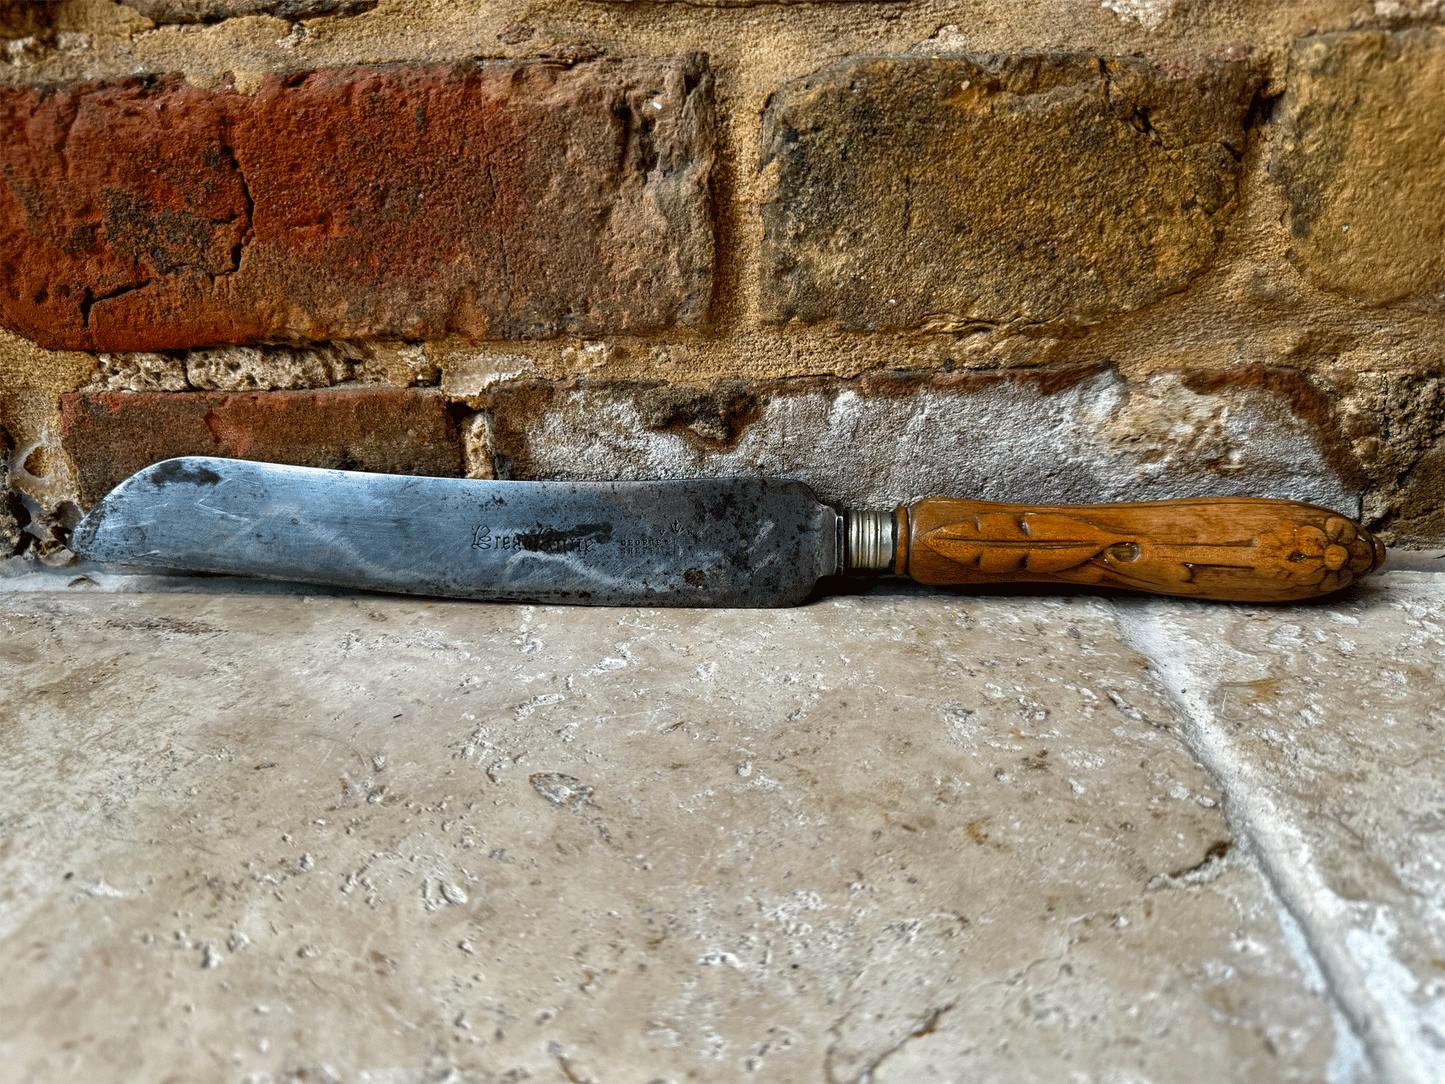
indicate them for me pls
(870, 540)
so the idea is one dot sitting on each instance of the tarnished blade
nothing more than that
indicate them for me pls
(698, 542)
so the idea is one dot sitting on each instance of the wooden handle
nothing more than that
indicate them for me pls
(1236, 549)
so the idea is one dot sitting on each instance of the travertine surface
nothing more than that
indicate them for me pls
(1323, 725)
(897, 836)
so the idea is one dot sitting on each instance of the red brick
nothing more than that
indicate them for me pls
(112, 435)
(492, 199)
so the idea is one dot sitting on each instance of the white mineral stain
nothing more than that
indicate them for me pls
(527, 707)
(100, 888)
(713, 959)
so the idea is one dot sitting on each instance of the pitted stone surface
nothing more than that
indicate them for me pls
(895, 837)
(1359, 159)
(1084, 436)
(1023, 188)
(495, 199)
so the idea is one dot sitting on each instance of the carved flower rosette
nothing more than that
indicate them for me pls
(1329, 557)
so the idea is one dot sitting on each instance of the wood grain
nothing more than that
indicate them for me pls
(1234, 549)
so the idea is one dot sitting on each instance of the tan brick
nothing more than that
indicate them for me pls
(1361, 166)
(1023, 188)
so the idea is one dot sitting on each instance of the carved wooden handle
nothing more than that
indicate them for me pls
(1240, 549)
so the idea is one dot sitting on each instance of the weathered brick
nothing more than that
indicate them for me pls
(110, 436)
(1032, 188)
(1359, 158)
(493, 199)
(1079, 435)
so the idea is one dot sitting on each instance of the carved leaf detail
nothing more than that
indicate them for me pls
(1033, 541)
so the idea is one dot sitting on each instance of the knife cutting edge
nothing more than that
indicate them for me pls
(747, 542)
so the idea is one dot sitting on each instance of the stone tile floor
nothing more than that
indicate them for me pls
(254, 835)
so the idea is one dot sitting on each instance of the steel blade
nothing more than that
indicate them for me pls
(695, 542)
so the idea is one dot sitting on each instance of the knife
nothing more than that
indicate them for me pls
(693, 542)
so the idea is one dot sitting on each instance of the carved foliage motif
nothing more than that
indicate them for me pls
(1270, 551)
(1001, 543)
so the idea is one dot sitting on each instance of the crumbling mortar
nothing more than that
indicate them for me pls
(36, 512)
(241, 368)
(11, 511)
(1393, 422)
(179, 13)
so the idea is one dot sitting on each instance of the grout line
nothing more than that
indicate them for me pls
(1282, 851)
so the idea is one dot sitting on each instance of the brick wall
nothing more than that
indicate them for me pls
(1076, 251)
